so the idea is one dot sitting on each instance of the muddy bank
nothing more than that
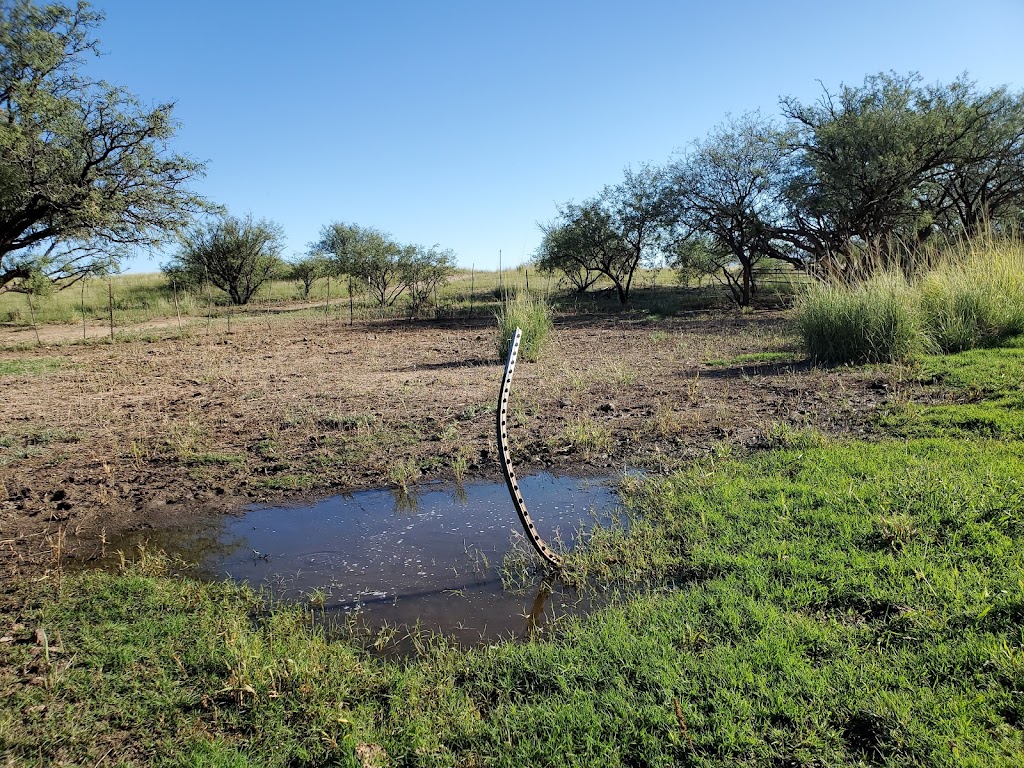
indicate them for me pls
(100, 439)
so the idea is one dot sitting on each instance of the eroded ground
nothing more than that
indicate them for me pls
(98, 439)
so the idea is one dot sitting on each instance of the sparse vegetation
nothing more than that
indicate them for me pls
(587, 437)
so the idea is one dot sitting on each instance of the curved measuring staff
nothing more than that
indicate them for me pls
(506, 458)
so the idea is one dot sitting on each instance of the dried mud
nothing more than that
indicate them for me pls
(98, 439)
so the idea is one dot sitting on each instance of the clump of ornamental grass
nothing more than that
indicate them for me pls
(969, 294)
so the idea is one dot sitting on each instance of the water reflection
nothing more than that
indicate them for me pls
(431, 557)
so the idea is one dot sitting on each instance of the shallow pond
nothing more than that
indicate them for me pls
(431, 558)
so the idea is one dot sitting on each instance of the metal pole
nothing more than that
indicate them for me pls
(177, 309)
(506, 458)
(110, 305)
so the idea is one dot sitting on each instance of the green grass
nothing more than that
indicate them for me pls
(531, 315)
(869, 322)
(32, 366)
(586, 436)
(976, 296)
(986, 392)
(970, 295)
(857, 603)
(821, 602)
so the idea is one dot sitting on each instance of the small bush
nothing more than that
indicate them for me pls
(875, 321)
(533, 316)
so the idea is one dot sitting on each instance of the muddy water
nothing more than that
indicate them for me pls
(431, 558)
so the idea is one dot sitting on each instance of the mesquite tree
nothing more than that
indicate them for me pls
(84, 172)
(235, 255)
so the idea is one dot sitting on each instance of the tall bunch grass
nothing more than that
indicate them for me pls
(530, 314)
(869, 322)
(969, 295)
(975, 296)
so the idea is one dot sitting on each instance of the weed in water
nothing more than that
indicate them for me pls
(460, 463)
(403, 473)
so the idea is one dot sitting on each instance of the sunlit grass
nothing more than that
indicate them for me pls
(876, 320)
(533, 317)
(970, 295)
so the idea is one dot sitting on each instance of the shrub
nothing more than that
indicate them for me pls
(533, 316)
(236, 255)
(874, 321)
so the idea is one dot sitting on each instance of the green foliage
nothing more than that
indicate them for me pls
(869, 322)
(387, 267)
(976, 296)
(307, 270)
(84, 173)
(236, 255)
(426, 271)
(971, 296)
(729, 188)
(695, 258)
(864, 178)
(533, 316)
(612, 235)
(885, 165)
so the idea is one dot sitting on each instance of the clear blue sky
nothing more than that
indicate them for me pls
(464, 123)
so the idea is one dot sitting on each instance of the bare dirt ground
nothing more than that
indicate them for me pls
(98, 439)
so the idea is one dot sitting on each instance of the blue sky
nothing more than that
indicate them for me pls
(465, 123)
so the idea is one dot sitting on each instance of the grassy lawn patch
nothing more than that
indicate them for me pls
(986, 390)
(31, 366)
